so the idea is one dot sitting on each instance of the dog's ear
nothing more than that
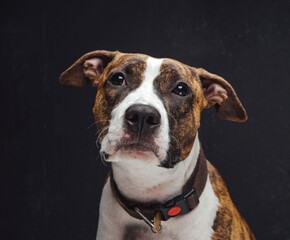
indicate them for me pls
(220, 93)
(88, 68)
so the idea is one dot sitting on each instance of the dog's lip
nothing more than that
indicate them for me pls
(136, 147)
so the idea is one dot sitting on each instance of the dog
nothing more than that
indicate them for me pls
(147, 112)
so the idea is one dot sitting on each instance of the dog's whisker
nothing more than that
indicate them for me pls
(92, 124)
(102, 130)
(102, 120)
(178, 144)
(98, 144)
(170, 115)
(96, 123)
(105, 163)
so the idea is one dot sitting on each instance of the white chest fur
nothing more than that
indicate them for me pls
(115, 223)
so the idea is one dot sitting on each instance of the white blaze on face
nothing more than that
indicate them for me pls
(145, 94)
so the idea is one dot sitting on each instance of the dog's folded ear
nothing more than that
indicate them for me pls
(88, 68)
(220, 93)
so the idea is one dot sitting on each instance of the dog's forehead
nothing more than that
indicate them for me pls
(139, 63)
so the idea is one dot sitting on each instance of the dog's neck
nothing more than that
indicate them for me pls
(146, 182)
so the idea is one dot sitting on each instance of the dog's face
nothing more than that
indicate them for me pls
(148, 108)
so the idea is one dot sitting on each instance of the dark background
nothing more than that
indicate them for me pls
(51, 177)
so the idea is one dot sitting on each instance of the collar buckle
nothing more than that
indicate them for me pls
(178, 205)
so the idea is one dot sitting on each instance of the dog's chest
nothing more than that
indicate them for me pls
(184, 227)
(138, 232)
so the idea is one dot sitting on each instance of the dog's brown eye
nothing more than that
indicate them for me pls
(181, 89)
(117, 79)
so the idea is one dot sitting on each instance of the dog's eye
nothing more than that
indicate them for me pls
(117, 79)
(181, 89)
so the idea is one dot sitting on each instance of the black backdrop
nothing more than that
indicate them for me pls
(51, 176)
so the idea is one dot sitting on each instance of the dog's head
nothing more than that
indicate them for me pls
(148, 108)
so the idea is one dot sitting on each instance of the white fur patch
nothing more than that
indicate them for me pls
(143, 95)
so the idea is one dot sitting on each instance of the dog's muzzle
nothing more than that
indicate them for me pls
(136, 133)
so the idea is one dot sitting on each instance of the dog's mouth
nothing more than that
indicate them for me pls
(134, 150)
(137, 148)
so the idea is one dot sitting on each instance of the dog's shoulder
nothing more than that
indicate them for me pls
(229, 224)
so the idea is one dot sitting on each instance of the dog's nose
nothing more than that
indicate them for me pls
(142, 118)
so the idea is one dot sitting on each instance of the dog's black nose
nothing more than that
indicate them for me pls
(142, 118)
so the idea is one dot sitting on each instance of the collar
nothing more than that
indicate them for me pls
(183, 203)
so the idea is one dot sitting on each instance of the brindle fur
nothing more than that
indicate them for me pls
(228, 224)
